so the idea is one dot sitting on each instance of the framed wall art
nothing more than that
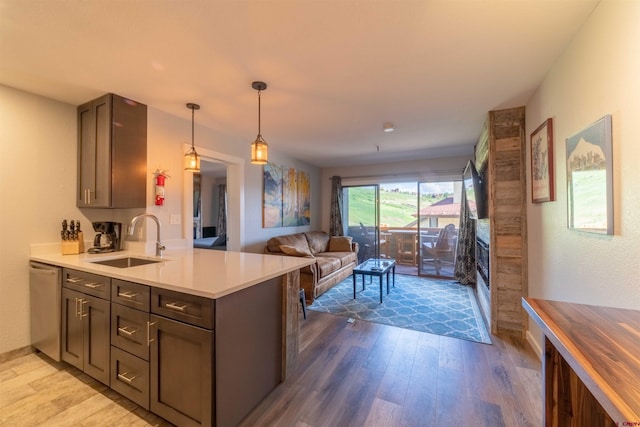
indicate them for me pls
(590, 179)
(272, 196)
(542, 175)
(286, 197)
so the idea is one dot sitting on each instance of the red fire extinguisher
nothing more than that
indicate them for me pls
(160, 178)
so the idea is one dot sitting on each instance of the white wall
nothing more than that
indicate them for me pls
(598, 74)
(38, 166)
(258, 236)
(166, 136)
(37, 191)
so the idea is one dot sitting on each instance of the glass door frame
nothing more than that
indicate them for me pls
(369, 238)
(432, 238)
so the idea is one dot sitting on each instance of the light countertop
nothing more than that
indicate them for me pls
(207, 273)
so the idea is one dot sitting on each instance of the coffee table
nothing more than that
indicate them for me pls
(375, 267)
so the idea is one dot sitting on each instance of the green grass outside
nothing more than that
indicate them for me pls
(396, 209)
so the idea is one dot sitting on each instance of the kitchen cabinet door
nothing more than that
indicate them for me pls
(94, 141)
(181, 365)
(112, 153)
(96, 316)
(85, 333)
(72, 329)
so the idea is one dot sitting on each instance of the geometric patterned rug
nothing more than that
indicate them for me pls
(440, 307)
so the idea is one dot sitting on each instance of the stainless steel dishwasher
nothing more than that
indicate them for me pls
(45, 288)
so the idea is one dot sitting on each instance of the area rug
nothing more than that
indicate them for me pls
(441, 307)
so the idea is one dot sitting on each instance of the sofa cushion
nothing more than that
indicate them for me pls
(340, 244)
(318, 241)
(345, 258)
(295, 250)
(327, 265)
(298, 240)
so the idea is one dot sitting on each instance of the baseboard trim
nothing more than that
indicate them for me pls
(534, 344)
(14, 354)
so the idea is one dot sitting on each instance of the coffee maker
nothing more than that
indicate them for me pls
(107, 238)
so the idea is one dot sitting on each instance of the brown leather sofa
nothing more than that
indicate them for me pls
(335, 258)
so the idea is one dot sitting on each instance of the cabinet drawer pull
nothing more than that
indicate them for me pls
(73, 279)
(127, 294)
(176, 306)
(94, 285)
(149, 340)
(126, 379)
(125, 330)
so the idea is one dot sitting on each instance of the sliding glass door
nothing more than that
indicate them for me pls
(415, 223)
(361, 217)
(438, 221)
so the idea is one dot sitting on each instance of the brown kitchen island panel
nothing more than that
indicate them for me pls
(591, 364)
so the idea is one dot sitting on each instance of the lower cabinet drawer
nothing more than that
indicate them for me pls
(132, 295)
(88, 283)
(130, 330)
(191, 309)
(130, 376)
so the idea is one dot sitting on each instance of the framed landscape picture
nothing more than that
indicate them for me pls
(542, 176)
(590, 179)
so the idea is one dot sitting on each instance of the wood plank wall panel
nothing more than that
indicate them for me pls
(507, 220)
(290, 323)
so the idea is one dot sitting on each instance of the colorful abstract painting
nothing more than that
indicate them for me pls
(291, 207)
(272, 196)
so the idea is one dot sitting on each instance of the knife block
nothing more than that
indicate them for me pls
(73, 247)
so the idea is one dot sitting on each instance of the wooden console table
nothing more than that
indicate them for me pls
(591, 364)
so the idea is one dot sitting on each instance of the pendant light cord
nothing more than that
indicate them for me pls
(259, 111)
(192, 125)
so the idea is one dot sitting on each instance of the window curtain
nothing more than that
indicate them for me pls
(336, 227)
(221, 226)
(465, 265)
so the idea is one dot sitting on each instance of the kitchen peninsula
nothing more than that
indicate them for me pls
(198, 337)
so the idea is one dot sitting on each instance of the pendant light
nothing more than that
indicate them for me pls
(259, 147)
(191, 159)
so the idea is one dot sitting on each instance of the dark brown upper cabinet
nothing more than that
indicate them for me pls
(112, 153)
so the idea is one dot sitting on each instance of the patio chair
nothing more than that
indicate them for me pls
(406, 248)
(442, 251)
(369, 243)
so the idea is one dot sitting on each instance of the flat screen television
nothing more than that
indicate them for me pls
(474, 190)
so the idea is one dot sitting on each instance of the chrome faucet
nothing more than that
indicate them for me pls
(132, 226)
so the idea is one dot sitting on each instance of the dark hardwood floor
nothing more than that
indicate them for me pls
(367, 374)
(349, 374)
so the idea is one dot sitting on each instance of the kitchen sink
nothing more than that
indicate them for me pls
(125, 262)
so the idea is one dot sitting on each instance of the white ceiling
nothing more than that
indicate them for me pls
(336, 70)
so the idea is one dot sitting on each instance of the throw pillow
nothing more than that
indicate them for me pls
(295, 251)
(340, 244)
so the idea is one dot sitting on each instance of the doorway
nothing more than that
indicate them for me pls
(362, 222)
(235, 199)
(414, 223)
(438, 221)
(210, 206)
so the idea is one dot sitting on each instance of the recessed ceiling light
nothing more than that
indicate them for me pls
(388, 127)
